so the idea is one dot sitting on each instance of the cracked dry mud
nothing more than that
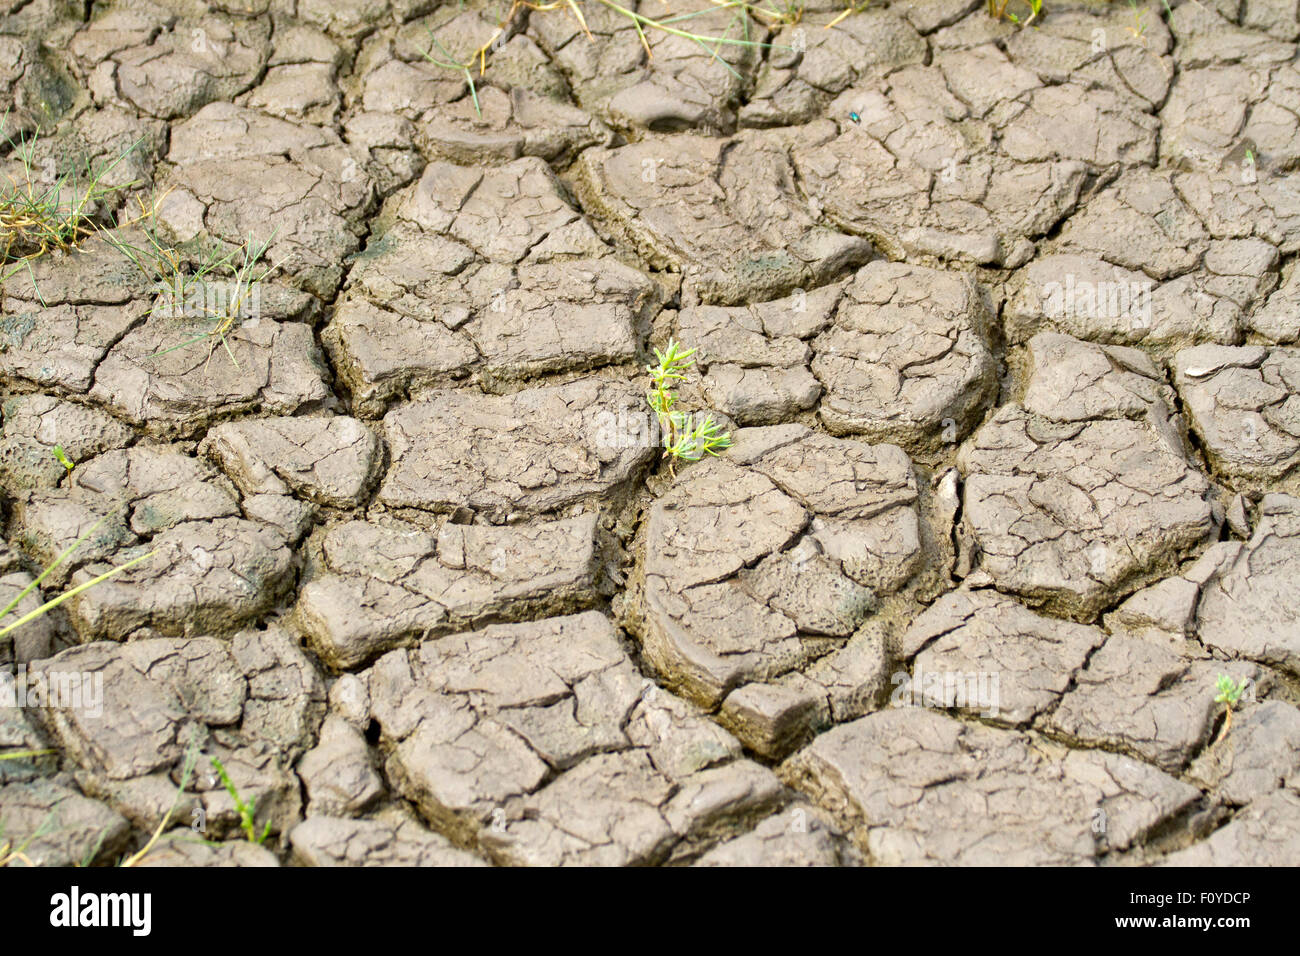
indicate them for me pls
(1005, 324)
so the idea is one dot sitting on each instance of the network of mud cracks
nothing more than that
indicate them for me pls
(1004, 322)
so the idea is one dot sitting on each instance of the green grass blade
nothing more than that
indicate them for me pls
(49, 570)
(52, 604)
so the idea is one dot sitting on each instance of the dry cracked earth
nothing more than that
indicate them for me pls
(1004, 323)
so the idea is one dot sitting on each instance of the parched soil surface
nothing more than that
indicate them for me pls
(1004, 322)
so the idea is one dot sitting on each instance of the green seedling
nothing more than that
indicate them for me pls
(247, 811)
(683, 439)
(41, 212)
(62, 458)
(66, 595)
(1035, 8)
(1230, 692)
(449, 62)
(695, 441)
(998, 8)
(1139, 27)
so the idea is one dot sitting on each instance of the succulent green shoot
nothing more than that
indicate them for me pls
(693, 442)
(1229, 691)
(684, 437)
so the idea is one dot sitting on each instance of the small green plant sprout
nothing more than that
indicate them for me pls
(247, 811)
(695, 440)
(1035, 8)
(1230, 692)
(998, 9)
(62, 458)
(6, 629)
(42, 210)
(685, 437)
(449, 62)
(1139, 27)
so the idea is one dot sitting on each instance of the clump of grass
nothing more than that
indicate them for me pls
(1229, 695)
(246, 274)
(685, 437)
(66, 595)
(247, 811)
(41, 212)
(214, 288)
(781, 11)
